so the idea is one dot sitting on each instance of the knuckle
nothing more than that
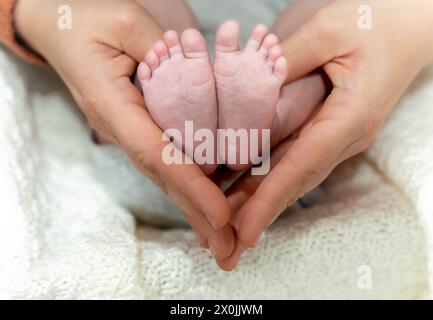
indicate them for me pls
(326, 31)
(324, 26)
(371, 125)
(369, 142)
(144, 161)
(127, 18)
(360, 122)
(320, 16)
(309, 176)
(90, 109)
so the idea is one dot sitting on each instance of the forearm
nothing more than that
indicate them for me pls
(8, 35)
(30, 26)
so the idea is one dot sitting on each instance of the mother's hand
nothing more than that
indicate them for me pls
(96, 59)
(370, 69)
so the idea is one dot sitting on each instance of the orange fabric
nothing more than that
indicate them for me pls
(7, 33)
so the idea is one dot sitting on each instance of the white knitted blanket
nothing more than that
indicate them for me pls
(67, 228)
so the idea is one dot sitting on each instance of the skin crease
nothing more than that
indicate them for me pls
(96, 61)
(370, 70)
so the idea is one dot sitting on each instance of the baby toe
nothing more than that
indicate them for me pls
(161, 50)
(281, 68)
(270, 41)
(143, 72)
(227, 38)
(172, 40)
(152, 60)
(257, 36)
(194, 44)
(275, 52)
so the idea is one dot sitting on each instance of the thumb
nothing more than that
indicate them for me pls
(316, 43)
(135, 31)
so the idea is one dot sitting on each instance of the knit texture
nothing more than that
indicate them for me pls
(68, 208)
(8, 36)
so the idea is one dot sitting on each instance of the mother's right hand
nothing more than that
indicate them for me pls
(96, 59)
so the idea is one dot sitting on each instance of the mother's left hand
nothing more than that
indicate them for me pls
(370, 69)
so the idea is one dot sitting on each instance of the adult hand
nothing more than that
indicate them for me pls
(96, 59)
(370, 69)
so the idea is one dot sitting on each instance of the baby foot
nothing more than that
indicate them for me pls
(248, 83)
(298, 101)
(178, 85)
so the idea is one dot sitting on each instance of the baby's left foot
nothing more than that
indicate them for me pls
(248, 84)
(298, 101)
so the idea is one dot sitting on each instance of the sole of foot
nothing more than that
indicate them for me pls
(248, 84)
(178, 86)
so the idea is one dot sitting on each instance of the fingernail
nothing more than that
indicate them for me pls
(213, 247)
(227, 267)
(253, 243)
(232, 266)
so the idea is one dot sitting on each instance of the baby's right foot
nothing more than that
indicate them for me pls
(248, 83)
(178, 86)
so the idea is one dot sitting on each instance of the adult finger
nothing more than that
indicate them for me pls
(131, 126)
(320, 147)
(221, 242)
(230, 263)
(321, 39)
(238, 194)
(245, 187)
(135, 30)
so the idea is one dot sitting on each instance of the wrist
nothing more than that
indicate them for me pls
(30, 27)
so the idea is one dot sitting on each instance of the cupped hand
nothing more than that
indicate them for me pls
(96, 59)
(371, 50)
